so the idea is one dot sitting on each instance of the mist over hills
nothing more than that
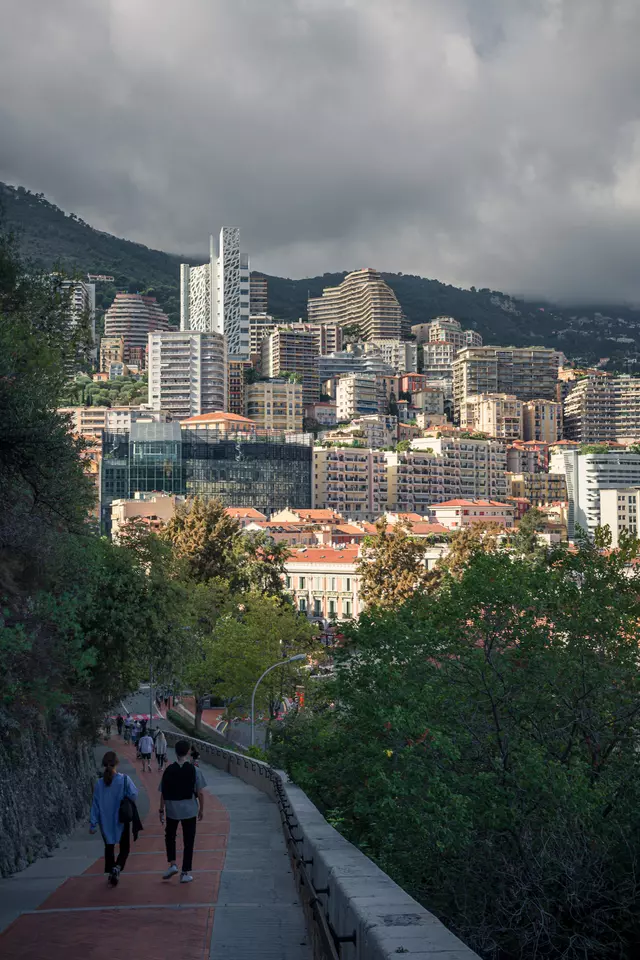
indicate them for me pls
(50, 237)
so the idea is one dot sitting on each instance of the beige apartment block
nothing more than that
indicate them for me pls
(260, 326)
(402, 355)
(155, 510)
(358, 395)
(275, 404)
(542, 421)
(111, 351)
(327, 337)
(528, 373)
(446, 330)
(362, 299)
(471, 468)
(289, 350)
(350, 481)
(496, 414)
(324, 582)
(459, 513)
(539, 488)
(619, 510)
(187, 373)
(601, 409)
(91, 421)
(133, 317)
(415, 480)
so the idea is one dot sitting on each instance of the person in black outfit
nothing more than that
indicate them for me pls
(119, 722)
(181, 795)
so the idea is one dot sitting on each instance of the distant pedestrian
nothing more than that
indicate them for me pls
(181, 794)
(143, 727)
(135, 736)
(161, 749)
(119, 723)
(195, 756)
(145, 749)
(128, 728)
(107, 727)
(108, 794)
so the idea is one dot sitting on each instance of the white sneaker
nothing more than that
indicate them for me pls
(186, 878)
(171, 872)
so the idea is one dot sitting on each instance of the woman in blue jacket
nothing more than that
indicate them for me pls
(108, 794)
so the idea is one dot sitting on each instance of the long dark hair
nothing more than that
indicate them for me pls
(109, 762)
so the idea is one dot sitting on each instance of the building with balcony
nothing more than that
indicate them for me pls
(187, 373)
(471, 468)
(215, 297)
(258, 294)
(538, 488)
(236, 370)
(415, 480)
(111, 351)
(496, 414)
(92, 421)
(542, 421)
(527, 373)
(363, 300)
(587, 475)
(260, 326)
(527, 456)
(350, 481)
(446, 330)
(401, 355)
(323, 582)
(292, 350)
(358, 395)
(619, 509)
(276, 404)
(132, 317)
(603, 409)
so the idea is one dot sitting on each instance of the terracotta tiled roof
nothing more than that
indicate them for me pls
(468, 503)
(345, 555)
(244, 512)
(218, 417)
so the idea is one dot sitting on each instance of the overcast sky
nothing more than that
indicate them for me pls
(486, 142)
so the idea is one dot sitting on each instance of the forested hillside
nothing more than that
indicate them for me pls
(51, 237)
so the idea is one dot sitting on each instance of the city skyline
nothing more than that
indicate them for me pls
(418, 136)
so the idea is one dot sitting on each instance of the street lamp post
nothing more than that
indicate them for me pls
(280, 663)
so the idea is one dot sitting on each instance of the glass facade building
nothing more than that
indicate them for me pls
(244, 470)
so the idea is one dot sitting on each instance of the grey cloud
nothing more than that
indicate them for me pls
(493, 143)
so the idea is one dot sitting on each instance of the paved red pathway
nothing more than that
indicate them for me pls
(144, 916)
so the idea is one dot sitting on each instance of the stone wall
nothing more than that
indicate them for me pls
(46, 779)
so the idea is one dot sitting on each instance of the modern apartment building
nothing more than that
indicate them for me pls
(527, 456)
(437, 360)
(429, 401)
(214, 297)
(353, 360)
(323, 582)
(133, 317)
(289, 350)
(81, 308)
(276, 404)
(471, 468)
(258, 294)
(236, 369)
(528, 373)
(446, 330)
(587, 475)
(601, 409)
(619, 509)
(260, 326)
(357, 395)
(538, 488)
(496, 414)
(92, 421)
(376, 430)
(350, 481)
(402, 355)
(111, 351)
(327, 337)
(187, 373)
(415, 480)
(542, 421)
(364, 300)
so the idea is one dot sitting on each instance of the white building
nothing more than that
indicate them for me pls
(588, 474)
(470, 468)
(357, 395)
(82, 307)
(187, 373)
(402, 355)
(214, 297)
(456, 514)
(619, 511)
(323, 582)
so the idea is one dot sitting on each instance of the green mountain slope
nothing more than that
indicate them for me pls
(50, 237)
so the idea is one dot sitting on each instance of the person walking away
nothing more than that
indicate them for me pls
(161, 749)
(128, 728)
(145, 749)
(181, 795)
(119, 723)
(135, 736)
(107, 727)
(195, 756)
(108, 794)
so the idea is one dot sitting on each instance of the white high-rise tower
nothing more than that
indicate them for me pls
(214, 298)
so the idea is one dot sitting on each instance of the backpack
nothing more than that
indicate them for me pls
(127, 808)
(179, 782)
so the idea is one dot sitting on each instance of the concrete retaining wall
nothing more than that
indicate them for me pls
(360, 902)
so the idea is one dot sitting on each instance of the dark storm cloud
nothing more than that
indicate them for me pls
(487, 142)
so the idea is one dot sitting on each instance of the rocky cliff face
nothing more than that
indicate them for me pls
(46, 776)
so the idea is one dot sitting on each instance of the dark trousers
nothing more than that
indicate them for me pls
(109, 850)
(161, 757)
(188, 838)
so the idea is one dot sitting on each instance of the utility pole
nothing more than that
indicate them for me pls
(150, 695)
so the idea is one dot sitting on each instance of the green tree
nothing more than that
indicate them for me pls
(403, 445)
(205, 538)
(392, 566)
(525, 539)
(501, 716)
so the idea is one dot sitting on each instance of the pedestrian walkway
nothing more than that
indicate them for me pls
(242, 903)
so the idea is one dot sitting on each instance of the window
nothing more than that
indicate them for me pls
(348, 584)
(332, 608)
(288, 582)
(332, 583)
(317, 608)
(346, 606)
(302, 605)
(302, 582)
